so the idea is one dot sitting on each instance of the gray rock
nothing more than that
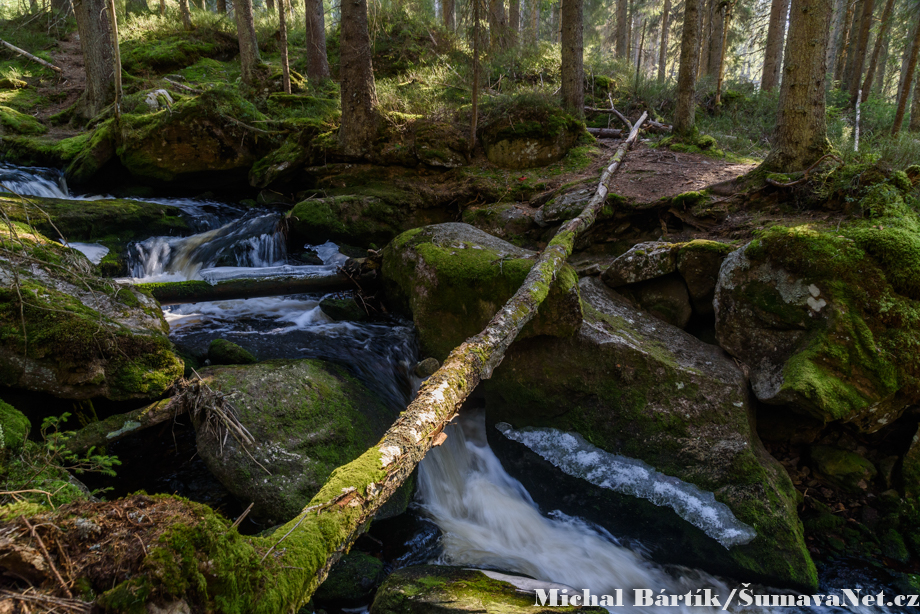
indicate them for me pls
(665, 298)
(842, 469)
(636, 386)
(343, 309)
(565, 206)
(427, 367)
(644, 261)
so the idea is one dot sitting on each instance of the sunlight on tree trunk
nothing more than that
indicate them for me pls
(907, 80)
(801, 123)
(686, 76)
(447, 15)
(96, 44)
(283, 44)
(534, 21)
(317, 60)
(359, 96)
(498, 25)
(113, 21)
(186, 15)
(663, 50)
(573, 76)
(776, 38)
(720, 73)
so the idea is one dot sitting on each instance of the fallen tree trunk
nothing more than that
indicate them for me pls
(605, 133)
(180, 292)
(113, 428)
(28, 55)
(302, 551)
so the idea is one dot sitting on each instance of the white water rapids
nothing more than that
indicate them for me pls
(486, 517)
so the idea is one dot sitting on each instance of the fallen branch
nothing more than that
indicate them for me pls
(181, 292)
(338, 514)
(605, 133)
(113, 428)
(34, 58)
(184, 88)
(806, 172)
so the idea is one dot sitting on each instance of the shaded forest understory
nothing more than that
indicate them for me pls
(743, 316)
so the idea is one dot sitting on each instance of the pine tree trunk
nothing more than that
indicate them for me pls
(776, 37)
(862, 48)
(477, 43)
(882, 69)
(715, 38)
(222, 7)
(622, 29)
(249, 45)
(96, 44)
(663, 50)
(836, 28)
(880, 40)
(498, 25)
(186, 15)
(447, 14)
(573, 77)
(283, 44)
(914, 125)
(163, 7)
(720, 73)
(514, 22)
(801, 124)
(840, 62)
(534, 21)
(317, 61)
(359, 96)
(907, 81)
(686, 77)
(852, 43)
(705, 32)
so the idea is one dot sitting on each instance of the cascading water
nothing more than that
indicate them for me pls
(43, 182)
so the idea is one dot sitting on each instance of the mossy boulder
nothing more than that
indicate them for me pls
(307, 417)
(74, 335)
(665, 298)
(353, 219)
(439, 144)
(566, 205)
(223, 352)
(351, 581)
(343, 308)
(452, 278)
(434, 588)
(14, 122)
(527, 136)
(632, 385)
(842, 468)
(827, 320)
(205, 137)
(509, 221)
(14, 426)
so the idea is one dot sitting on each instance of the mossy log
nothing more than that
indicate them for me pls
(103, 432)
(180, 292)
(304, 550)
(605, 133)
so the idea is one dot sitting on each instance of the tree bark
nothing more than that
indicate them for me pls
(853, 41)
(447, 14)
(880, 40)
(514, 22)
(308, 546)
(222, 7)
(840, 7)
(283, 44)
(359, 96)
(163, 7)
(914, 125)
(186, 15)
(702, 63)
(182, 292)
(103, 432)
(776, 37)
(862, 48)
(720, 73)
(98, 57)
(686, 77)
(498, 25)
(882, 70)
(801, 125)
(663, 49)
(622, 29)
(840, 62)
(317, 60)
(249, 44)
(573, 76)
(534, 21)
(715, 38)
(907, 81)
(477, 42)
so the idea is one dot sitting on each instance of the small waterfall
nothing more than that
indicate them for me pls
(42, 182)
(253, 241)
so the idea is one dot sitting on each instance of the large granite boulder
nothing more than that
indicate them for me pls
(67, 332)
(827, 320)
(307, 418)
(452, 278)
(629, 385)
(529, 136)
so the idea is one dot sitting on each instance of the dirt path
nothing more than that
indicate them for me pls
(69, 57)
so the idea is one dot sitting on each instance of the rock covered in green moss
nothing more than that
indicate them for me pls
(827, 320)
(642, 262)
(351, 581)
(452, 278)
(14, 425)
(509, 221)
(74, 335)
(568, 204)
(223, 352)
(665, 298)
(355, 219)
(307, 417)
(346, 308)
(632, 385)
(528, 136)
(434, 588)
(14, 122)
(842, 468)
